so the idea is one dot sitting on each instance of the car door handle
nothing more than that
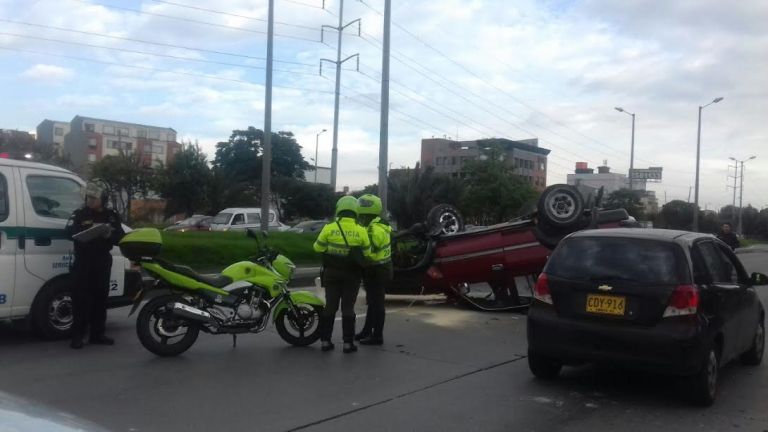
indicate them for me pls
(43, 241)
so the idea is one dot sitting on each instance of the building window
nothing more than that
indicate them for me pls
(109, 130)
(172, 137)
(90, 127)
(158, 149)
(155, 135)
(439, 161)
(453, 160)
(58, 131)
(123, 132)
(91, 157)
(92, 142)
(141, 133)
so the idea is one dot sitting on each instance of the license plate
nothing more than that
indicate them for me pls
(605, 304)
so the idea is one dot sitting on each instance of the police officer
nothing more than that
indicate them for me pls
(345, 246)
(378, 274)
(92, 266)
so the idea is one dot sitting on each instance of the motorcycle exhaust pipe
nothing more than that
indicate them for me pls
(191, 313)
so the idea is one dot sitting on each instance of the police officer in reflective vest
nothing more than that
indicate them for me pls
(378, 274)
(93, 265)
(345, 246)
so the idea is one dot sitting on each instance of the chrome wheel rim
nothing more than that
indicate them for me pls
(60, 314)
(561, 205)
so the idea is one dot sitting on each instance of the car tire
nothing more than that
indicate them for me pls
(51, 316)
(754, 356)
(446, 218)
(703, 385)
(542, 367)
(561, 205)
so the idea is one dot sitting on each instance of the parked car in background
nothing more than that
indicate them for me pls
(673, 302)
(193, 223)
(244, 218)
(310, 226)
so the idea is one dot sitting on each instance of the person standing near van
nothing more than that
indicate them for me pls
(345, 246)
(378, 274)
(92, 266)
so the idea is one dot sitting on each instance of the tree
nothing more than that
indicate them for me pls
(184, 183)
(628, 200)
(126, 178)
(300, 199)
(493, 193)
(677, 214)
(413, 192)
(729, 214)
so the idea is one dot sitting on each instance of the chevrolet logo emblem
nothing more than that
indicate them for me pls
(605, 287)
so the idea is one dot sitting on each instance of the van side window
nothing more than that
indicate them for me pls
(54, 197)
(3, 198)
(239, 219)
(254, 218)
(271, 217)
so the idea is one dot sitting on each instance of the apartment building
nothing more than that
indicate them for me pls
(91, 139)
(53, 132)
(527, 159)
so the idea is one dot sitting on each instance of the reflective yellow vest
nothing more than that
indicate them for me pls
(381, 246)
(331, 243)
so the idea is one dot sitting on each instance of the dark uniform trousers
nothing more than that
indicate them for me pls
(341, 287)
(376, 279)
(91, 273)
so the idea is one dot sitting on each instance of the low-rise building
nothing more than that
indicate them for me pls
(52, 132)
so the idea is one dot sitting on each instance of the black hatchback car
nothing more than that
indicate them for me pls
(673, 302)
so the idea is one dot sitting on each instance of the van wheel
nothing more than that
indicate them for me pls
(560, 205)
(51, 315)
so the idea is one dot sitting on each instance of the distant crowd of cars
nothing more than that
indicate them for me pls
(234, 219)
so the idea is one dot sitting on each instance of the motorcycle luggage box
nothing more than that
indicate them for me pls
(141, 243)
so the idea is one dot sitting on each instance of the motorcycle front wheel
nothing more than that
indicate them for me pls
(162, 333)
(302, 330)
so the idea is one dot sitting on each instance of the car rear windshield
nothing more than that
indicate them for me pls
(222, 218)
(627, 259)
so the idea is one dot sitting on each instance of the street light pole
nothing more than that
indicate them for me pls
(632, 146)
(695, 227)
(317, 142)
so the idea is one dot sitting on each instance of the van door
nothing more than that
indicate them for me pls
(9, 231)
(254, 220)
(47, 200)
(238, 222)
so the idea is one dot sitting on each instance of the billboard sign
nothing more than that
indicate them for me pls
(650, 174)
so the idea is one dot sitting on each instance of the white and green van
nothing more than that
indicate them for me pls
(36, 200)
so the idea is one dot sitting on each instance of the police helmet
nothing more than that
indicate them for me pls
(369, 205)
(96, 189)
(346, 203)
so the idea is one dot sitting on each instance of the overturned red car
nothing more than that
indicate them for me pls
(495, 267)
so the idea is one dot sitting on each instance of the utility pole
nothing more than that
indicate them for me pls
(735, 178)
(384, 127)
(739, 228)
(698, 164)
(338, 62)
(266, 158)
(689, 197)
(317, 145)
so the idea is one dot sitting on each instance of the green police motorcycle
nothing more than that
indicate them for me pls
(240, 300)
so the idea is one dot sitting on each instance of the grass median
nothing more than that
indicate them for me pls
(212, 251)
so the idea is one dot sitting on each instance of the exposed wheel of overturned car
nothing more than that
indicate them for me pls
(445, 218)
(561, 205)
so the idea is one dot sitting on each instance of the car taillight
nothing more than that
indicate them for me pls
(683, 301)
(541, 290)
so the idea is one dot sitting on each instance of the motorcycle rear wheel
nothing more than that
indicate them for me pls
(162, 334)
(308, 333)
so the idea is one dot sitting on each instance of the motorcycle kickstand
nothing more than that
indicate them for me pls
(234, 341)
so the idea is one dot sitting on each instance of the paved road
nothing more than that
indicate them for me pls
(442, 369)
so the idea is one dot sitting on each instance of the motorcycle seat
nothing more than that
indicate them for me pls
(215, 280)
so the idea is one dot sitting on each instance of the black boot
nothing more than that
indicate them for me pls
(377, 335)
(326, 328)
(348, 328)
(367, 327)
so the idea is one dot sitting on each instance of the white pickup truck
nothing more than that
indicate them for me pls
(36, 200)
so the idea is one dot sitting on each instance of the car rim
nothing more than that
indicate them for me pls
(712, 373)
(449, 223)
(60, 312)
(561, 205)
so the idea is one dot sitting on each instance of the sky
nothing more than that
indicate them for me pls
(547, 69)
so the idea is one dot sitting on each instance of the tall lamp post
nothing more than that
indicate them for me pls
(698, 163)
(739, 228)
(632, 148)
(317, 142)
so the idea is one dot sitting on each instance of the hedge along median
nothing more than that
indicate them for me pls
(212, 251)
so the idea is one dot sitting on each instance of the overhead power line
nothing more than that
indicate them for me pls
(218, 12)
(153, 54)
(147, 42)
(153, 69)
(189, 20)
